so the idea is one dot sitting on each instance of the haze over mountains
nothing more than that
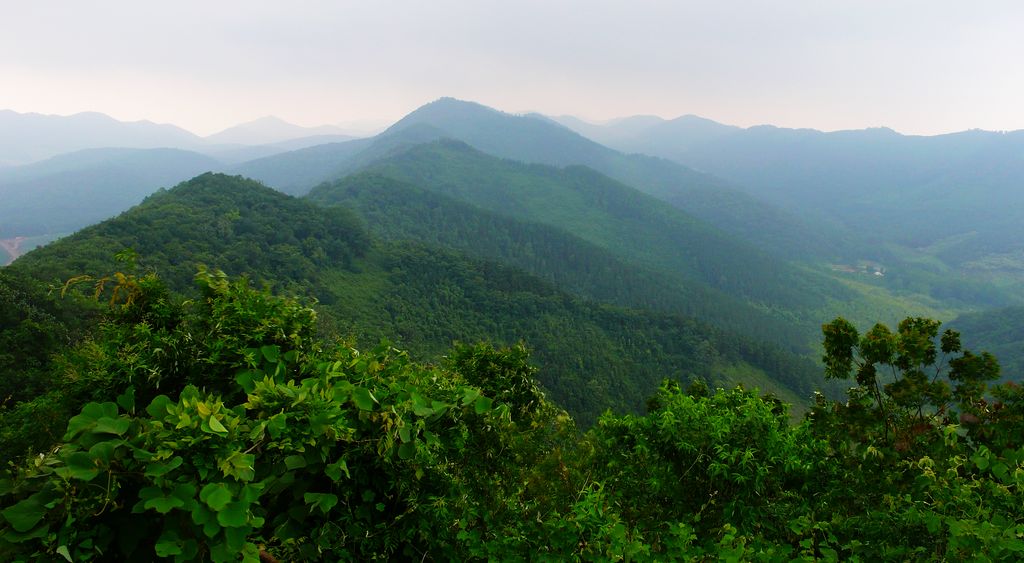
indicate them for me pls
(31, 137)
(956, 197)
(763, 232)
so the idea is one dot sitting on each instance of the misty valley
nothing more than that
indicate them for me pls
(480, 335)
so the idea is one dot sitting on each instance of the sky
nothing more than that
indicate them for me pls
(920, 67)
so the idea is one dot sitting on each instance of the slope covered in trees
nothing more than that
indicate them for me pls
(644, 232)
(260, 442)
(536, 140)
(397, 210)
(423, 298)
(1000, 331)
(605, 212)
(962, 187)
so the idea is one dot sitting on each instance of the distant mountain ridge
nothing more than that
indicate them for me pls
(533, 139)
(28, 137)
(963, 188)
(270, 130)
(33, 137)
(72, 191)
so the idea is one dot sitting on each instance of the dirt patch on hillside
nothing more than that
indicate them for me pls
(12, 246)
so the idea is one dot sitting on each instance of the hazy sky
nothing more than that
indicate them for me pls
(916, 66)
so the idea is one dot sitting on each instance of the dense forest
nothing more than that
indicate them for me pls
(221, 427)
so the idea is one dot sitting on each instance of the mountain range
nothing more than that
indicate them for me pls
(681, 247)
(31, 137)
(955, 197)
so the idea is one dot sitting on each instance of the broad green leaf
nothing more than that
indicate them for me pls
(271, 353)
(980, 461)
(126, 400)
(158, 407)
(277, 424)
(216, 495)
(186, 492)
(79, 423)
(251, 553)
(216, 426)
(80, 465)
(363, 399)
(239, 466)
(407, 450)
(221, 553)
(1001, 471)
(251, 492)
(482, 404)
(246, 379)
(294, 462)
(236, 537)
(109, 425)
(404, 434)
(160, 468)
(104, 451)
(163, 505)
(201, 515)
(234, 515)
(25, 515)
(169, 544)
(438, 407)
(211, 528)
(420, 406)
(469, 395)
(335, 470)
(63, 552)
(324, 501)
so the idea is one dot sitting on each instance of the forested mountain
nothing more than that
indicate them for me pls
(398, 210)
(534, 139)
(643, 231)
(651, 135)
(1000, 331)
(68, 192)
(714, 273)
(424, 298)
(962, 187)
(296, 172)
(28, 137)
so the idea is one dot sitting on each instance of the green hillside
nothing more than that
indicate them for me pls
(634, 227)
(952, 198)
(397, 210)
(537, 140)
(420, 297)
(1000, 331)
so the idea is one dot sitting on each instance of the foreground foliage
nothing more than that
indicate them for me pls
(219, 428)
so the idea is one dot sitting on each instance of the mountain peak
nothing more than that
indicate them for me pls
(269, 129)
(449, 108)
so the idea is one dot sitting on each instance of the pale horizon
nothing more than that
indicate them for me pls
(920, 68)
(369, 126)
